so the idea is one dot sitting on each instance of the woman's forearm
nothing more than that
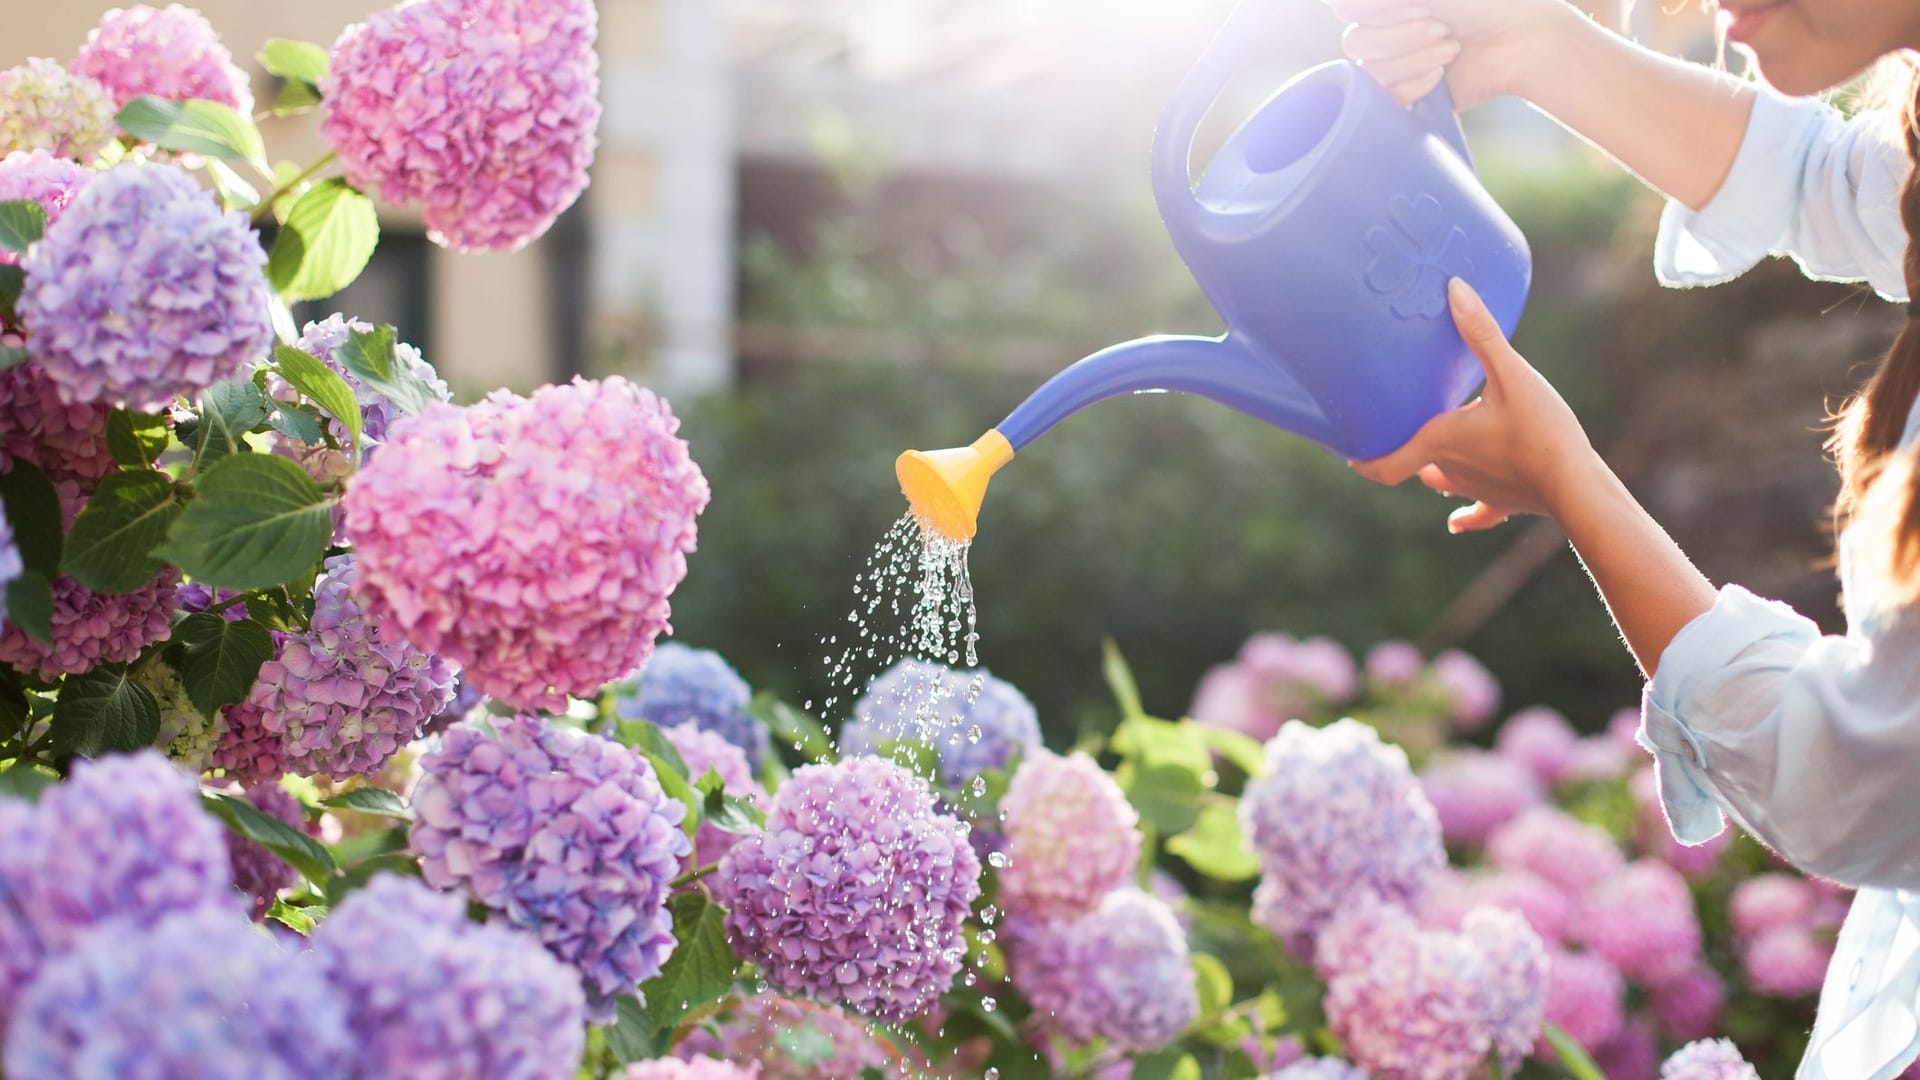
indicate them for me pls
(1676, 125)
(1649, 585)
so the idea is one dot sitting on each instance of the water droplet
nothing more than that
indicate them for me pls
(979, 786)
(989, 1004)
(998, 860)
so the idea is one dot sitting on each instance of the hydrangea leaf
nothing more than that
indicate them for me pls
(300, 920)
(1215, 986)
(674, 783)
(632, 1037)
(22, 221)
(701, 969)
(30, 605)
(103, 711)
(325, 242)
(196, 127)
(729, 813)
(1571, 1054)
(136, 439)
(1173, 1064)
(301, 423)
(257, 520)
(792, 727)
(322, 385)
(300, 63)
(1244, 752)
(25, 781)
(228, 410)
(108, 549)
(1119, 678)
(33, 511)
(369, 355)
(370, 800)
(302, 852)
(223, 659)
(646, 737)
(1215, 847)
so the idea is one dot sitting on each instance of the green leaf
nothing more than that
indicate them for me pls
(136, 439)
(1214, 985)
(702, 968)
(295, 96)
(674, 782)
(22, 221)
(33, 510)
(355, 877)
(1215, 847)
(223, 659)
(920, 758)
(322, 385)
(325, 242)
(370, 800)
(1245, 753)
(301, 423)
(1119, 676)
(791, 727)
(298, 919)
(1171, 1064)
(25, 781)
(234, 191)
(30, 605)
(228, 411)
(370, 357)
(12, 281)
(302, 852)
(731, 813)
(257, 520)
(127, 517)
(631, 1037)
(103, 711)
(197, 127)
(288, 59)
(10, 356)
(1572, 1055)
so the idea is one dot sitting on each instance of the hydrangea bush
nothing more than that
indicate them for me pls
(338, 738)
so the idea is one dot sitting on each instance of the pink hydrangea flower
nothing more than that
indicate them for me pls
(695, 1068)
(705, 751)
(1641, 918)
(1120, 972)
(249, 752)
(1472, 689)
(1765, 902)
(1689, 1007)
(67, 442)
(493, 131)
(1634, 1054)
(1786, 961)
(790, 1039)
(1544, 907)
(1071, 836)
(170, 53)
(1586, 998)
(1551, 844)
(43, 106)
(1394, 664)
(90, 628)
(1275, 678)
(1318, 1068)
(46, 179)
(1475, 792)
(1708, 1059)
(534, 541)
(1542, 740)
(1516, 962)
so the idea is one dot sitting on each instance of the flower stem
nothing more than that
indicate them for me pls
(266, 205)
(692, 876)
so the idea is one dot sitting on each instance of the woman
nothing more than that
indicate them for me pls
(1811, 743)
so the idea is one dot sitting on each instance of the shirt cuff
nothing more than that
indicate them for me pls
(1753, 209)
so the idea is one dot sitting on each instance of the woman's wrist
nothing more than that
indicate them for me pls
(1574, 487)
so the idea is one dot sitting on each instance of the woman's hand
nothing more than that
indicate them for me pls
(1517, 449)
(1484, 48)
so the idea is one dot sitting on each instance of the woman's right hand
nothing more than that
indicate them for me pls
(1483, 48)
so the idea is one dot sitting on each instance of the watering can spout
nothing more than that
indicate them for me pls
(945, 487)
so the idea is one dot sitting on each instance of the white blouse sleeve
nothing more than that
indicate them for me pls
(1807, 182)
(1811, 743)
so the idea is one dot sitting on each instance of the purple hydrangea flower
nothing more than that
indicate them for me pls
(48, 180)
(1689, 1007)
(494, 132)
(1071, 837)
(170, 53)
(1275, 678)
(259, 874)
(1453, 895)
(347, 693)
(466, 698)
(974, 721)
(1551, 844)
(430, 993)
(1540, 739)
(201, 993)
(1766, 901)
(43, 106)
(67, 442)
(1708, 1059)
(1516, 965)
(1395, 665)
(1786, 961)
(683, 685)
(856, 890)
(124, 839)
(184, 287)
(790, 1039)
(1120, 972)
(705, 751)
(10, 565)
(1585, 998)
(694, 1068)
(1641, 918)
(1336, 816)
(249, 752)
(568, 834)
(1472, 689)
(1319, 1068)
(1475, 792)
(1634, 1054)
(90, 628)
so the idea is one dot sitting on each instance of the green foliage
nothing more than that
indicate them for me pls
(325, 242)
(22, 221)
(222, 657)
(195, 127)
(323, 386)
(302, 852)
(701, 970)
(103, 711)
(300, 65)
(370, 800)
(228, 411)
(257, 520)
(109, 547)
(33, 513)
(369, 355)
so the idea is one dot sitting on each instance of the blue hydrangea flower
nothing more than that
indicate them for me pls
(202, 993)
(974, 721)
(430, 993)
(682, 685)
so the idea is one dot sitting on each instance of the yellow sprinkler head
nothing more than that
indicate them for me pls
(945, 486)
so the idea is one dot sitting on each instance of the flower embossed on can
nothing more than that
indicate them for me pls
(1414, 255)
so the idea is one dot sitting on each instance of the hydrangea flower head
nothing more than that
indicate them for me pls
(1766, 901)
(259, 874)
(1454, 895)
(201, 993)
(47, 179)
(1475, 792)
(430, 993)
(1318, 1068)
(684, 685)
(1641, 918)
(322, 340)
(186, 735)
(1689, 1007)
(170, 53)
(974, 721)
(494, 131)
(249, 752)
(346, 693)
(1274, 679)
(181, 305)
(1516, 965)
(789, 1039)
(90, 628)
(856, 890)
(1708, 1059)
(1394, 664)
(693, 1068)
(533, 541)
(1540, 739)
(705, 751)
(1634, 1054)
(1786, 961)
(1551, 844)
(1120, 972)
(1336, 815)
(568, 834)
(1071, 836)
(67, 442)
(1586, 998)
(43, 106)
(1467, 683)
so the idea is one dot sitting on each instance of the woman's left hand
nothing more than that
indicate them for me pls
(1516, 449)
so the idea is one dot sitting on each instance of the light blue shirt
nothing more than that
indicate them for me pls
(1809, 742)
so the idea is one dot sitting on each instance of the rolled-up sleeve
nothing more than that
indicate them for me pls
(1808, 182)
(1810, 742)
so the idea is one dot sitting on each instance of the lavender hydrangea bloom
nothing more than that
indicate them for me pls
(431, 994)
(1586, 998)
(1472, 689)
(200, 993)
(1337, 815)
(347, 693)
(10, 564)
(43, 106)
(184, 286)
(1120, 972)
(568, 834)
(1475, 792)
(1274, 679)
(1641, 918)
(974, 721)
(170, 53)
(1708, 1059)
(705, 751)
(1552, 844)
(259, 874)
(67, 442)
(1318, 1068)
(1072, 837)
(694, 1068)
(1516, 964)
(683, 685)
(1540, 739)
(789, 1039)
(856, 890)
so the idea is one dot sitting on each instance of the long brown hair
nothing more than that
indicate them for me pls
(1879, 484)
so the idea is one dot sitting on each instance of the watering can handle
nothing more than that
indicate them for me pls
(1173, 138)
(1436, 111)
